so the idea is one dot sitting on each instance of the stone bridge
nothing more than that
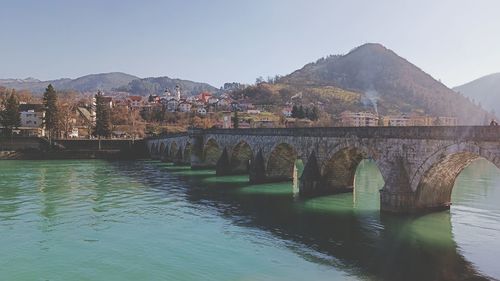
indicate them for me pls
(419, 165)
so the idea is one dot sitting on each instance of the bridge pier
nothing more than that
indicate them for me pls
(178, 160)
(196, 137)
(405, 202)
(310, 183)
(155, 155)
(397, 202)
(397, 195)
(223, 167)
(257, 171)
(165, 157)
(310, 186)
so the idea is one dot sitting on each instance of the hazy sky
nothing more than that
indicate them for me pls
(216, 41)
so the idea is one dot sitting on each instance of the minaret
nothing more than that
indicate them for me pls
(178, 92)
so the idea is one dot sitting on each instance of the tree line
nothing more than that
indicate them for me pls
(301, 112)
(10, 117)
(56, 116)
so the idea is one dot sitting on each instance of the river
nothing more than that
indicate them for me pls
(147, 220)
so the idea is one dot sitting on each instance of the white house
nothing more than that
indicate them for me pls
(191, 99)
(32, 119)
(184, 106)
(73, 133)
(213, 100)
(199, 103)
(201, 111)
(172, 105)
(253, 111)
(287, 111)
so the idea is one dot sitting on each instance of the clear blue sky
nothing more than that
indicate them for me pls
(216, 41)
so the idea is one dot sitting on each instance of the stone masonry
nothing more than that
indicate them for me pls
(419, 164)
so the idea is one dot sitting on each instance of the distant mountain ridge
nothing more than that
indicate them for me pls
(26, 80)
(485, 90)
(87, 83)
(158, 85)
(389, 82)
(113, 81)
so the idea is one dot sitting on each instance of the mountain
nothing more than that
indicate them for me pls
(387, 82)
(88, 83)
(158, 86)
(114, 81)
(27, 80)
(105, 81)
(485, 90)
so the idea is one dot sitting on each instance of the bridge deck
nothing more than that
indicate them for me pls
(479, 133)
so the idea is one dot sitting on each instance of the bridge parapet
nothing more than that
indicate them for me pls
(479, 133)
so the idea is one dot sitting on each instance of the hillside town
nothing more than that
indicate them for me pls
(134, 116)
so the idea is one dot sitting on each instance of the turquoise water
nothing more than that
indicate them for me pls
(146, 220)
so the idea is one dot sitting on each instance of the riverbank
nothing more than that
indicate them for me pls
(39, 149)
(70, 155)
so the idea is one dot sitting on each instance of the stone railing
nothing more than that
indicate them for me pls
(479, 133)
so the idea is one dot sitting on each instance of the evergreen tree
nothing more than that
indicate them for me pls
(10, 117)
(307, 113)
(314, 114)
(295, 111)
(300, 113)
(103, 117)
(50, 120)
(236, 120)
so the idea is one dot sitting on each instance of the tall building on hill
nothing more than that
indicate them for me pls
(178, 93)
(358, 119)
(446, 121)
(397, 121)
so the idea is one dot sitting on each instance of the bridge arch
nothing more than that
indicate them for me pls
(211, 153)
(241, 156)
(164, 152)
(153, 149)
(173, 150)
(434, 180)
(162, 148)
(186, 155)
(281, 162)
(339, 170)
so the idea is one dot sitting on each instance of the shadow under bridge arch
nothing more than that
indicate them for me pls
(211, 153)
(335, 175)
(280, 165)
(235, 161)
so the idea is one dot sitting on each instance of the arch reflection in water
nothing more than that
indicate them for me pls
(475, 215)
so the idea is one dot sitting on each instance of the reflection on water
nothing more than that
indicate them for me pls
(475, 216)
(96, 220)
